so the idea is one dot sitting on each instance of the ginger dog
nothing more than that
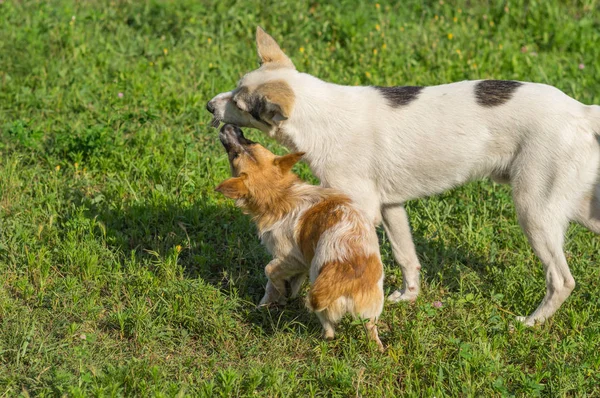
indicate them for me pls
(310, 231)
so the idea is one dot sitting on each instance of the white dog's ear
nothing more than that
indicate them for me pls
(269, 51)
(276, 101)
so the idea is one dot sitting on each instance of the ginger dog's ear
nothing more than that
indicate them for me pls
(233, 188)
(269, 51)
(286, 162)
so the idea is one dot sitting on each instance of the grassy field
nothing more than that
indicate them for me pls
(123, 273)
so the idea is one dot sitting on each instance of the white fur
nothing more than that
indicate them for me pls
(341, 243)
(541, 140)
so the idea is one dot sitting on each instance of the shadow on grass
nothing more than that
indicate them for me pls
(219, 245)
(214, 242)
(447, 266)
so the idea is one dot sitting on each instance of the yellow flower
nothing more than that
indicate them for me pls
(500, 46)
(474, 66)
(368, 75)
(436, 17)
(377, 5)
(450, 36)
(302, 49)
(209, 40)
(151, 63)
(57, 167)
(76, 165)
(458, 51)
(377, 27)
(455, 19)
(178, 248)
(210, 65)
(165, 51)
(492, 23)
(374, 51)
(384, 46)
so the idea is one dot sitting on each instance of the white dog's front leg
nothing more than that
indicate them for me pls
(397, 228)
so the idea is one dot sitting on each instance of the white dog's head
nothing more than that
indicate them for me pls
(263, 98)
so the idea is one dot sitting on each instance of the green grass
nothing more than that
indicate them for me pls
(123, 273)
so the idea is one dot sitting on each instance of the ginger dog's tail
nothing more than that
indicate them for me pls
(331, 284)
(357, 279)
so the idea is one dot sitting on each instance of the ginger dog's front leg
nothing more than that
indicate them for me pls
(275, 291)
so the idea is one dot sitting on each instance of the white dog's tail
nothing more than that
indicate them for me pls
(595, 115)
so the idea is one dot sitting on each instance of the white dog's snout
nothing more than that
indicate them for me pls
(217, 105)
(222, 98)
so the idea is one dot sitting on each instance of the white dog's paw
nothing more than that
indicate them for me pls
(525, 320)
(401, 295)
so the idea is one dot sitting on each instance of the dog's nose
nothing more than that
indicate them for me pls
(229, 130)
(210, 107)
(228, 137)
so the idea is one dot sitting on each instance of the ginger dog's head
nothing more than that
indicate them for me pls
(263, 98)
(261, 180)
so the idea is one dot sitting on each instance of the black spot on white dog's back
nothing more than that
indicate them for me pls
(495, 92)
(399, 95)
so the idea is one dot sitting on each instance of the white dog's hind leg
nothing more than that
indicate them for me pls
(544, 219)
(547, 241)
(397, 228)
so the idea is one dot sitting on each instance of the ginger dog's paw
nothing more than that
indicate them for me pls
(272, 302)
